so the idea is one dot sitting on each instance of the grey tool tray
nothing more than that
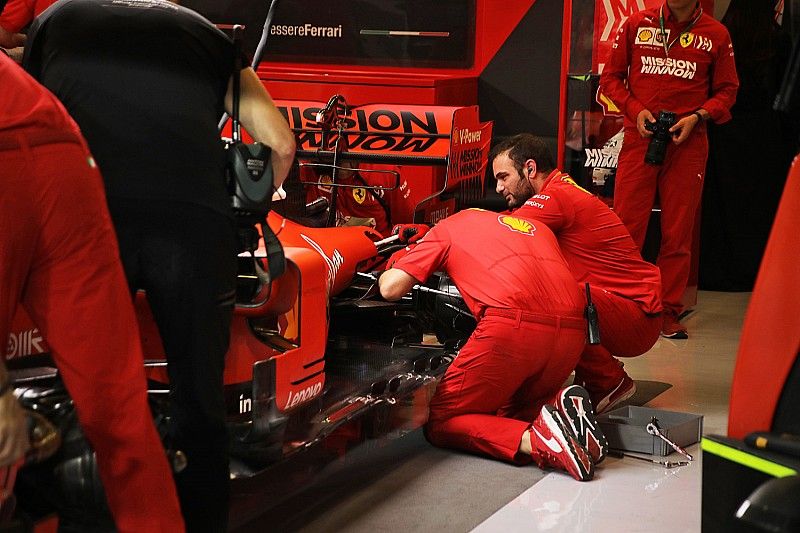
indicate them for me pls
(626, 430)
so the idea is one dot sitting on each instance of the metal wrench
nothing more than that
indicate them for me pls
(665, 464)
(653, 429)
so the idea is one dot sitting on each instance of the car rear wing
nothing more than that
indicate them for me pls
(448, 137)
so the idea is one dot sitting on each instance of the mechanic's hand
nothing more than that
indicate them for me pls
(399, 254)
(410, 233)
(681, 129)
(644, 115)
(13, 430)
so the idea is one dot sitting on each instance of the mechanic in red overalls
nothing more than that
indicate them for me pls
(691, 73)
(355, 203)
(59, 258)
(599, 250)
(528, 339)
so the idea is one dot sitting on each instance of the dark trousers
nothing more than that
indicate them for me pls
(184, 257)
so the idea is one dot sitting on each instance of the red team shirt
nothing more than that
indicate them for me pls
(356, 201)
(19, 13)
(700, 59)
(595, 243)
(526, 269)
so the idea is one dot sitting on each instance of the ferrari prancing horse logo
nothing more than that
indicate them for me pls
(359, 194)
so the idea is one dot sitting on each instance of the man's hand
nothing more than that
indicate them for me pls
(681, 129)
(410, 233)
(11, 40)
(644, 116)
(13, 430)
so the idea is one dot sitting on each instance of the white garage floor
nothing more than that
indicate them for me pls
(629, 495)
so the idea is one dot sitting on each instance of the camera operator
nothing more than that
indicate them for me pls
(678, 59)
(147, 80)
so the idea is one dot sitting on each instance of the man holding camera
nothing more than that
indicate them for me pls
(678, 59)
(147, 81)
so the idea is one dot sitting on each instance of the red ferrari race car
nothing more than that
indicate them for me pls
(318, 362)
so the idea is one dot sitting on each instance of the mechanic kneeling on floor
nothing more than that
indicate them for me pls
(59, 258)
(495, 398)
(147, 81)
(625, 288)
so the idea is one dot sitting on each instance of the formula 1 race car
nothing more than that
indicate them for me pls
(318, 362)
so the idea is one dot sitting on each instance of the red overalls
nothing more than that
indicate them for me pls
(624, 287)
(530, 328)
(698, 72)
(59, 258)
(19, 13)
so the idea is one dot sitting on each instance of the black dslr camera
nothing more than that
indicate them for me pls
(657, 148)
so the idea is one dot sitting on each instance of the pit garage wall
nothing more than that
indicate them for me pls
(519, 87)
(514, 75)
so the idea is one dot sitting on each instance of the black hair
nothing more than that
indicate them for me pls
(522, 147)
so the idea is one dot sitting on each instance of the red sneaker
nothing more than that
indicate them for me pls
(671, 328)
(576, 410)
(607, 400)
(555, 445)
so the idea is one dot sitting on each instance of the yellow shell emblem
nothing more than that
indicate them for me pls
(645, 35)
(517, 224)
(687, 39)
(567, 179)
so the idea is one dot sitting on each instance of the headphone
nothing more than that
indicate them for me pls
(530, 169)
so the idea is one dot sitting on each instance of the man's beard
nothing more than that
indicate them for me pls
(523, 194)
(513, 202)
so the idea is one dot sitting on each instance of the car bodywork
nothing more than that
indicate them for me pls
(317, 361)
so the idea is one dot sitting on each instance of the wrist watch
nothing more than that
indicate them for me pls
(699, 115)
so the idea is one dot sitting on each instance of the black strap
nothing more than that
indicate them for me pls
(237, 81)
(275, 258)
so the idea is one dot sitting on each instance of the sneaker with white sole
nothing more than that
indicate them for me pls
(576, 410)
(671, 328)
(555, 445)
(607, 400)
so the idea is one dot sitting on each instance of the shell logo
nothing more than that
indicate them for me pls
(325, 183)
(517, 224)
(645, 36)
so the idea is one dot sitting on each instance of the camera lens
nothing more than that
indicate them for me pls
(657, 149)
